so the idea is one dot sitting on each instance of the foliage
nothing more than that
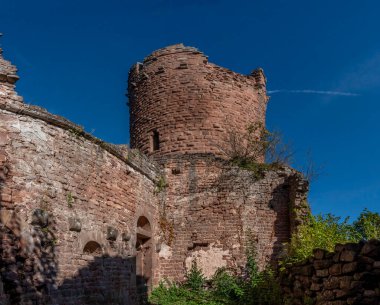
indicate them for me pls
(176, 294)
(226, 287)
(161, 184)
(250, 146)
(195, 279)
(69, 199)
(322, 232)
(260, 287)
(263, 289)
(258, 169)
(368, 225)
(248, 149)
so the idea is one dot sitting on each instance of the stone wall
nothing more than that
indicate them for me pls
(210, 211)
(190, 105)
(349, 275)
(69, 207)
(87, 222)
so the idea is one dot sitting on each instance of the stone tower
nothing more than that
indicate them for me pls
(182, 112)
(180, 103)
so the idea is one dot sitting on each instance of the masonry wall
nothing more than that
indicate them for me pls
(69, 210)
(70, 204)
(190, 104)
(349, 275)
(210, 211)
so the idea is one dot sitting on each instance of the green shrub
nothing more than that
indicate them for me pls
(226, 285)
(368, 225)
(258, 169)
(260, 287)
(247, 149)
(225, 288)
(195, 280)
(176, 294)
(322, 232)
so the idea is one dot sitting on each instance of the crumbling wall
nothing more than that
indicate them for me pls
(349, 275)
(210, 211)
(189, 105)
(70, 203)
(69, 210)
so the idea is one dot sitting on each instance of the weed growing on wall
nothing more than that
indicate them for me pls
(247, 150)
(161, 185)
(69, 199)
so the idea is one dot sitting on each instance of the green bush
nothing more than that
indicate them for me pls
(226, 287)
(260, 287)
(368, 225)
(176, 294)
(322, 232)
(195, 280)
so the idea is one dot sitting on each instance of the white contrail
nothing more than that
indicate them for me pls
(314, 92)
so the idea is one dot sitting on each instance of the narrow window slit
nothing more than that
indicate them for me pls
(156, 140)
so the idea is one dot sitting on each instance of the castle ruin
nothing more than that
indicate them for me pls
(88, 222)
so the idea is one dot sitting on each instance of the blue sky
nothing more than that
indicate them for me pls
(74, 58)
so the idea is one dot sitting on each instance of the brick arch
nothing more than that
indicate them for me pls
(90, 237)
(144, 223)
(145, 213)
(92, 248)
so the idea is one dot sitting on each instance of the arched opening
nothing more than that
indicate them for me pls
(92, 248)
(143, 223)
(144, 254)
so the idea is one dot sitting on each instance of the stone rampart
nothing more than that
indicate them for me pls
(69, 206)
(349, 275)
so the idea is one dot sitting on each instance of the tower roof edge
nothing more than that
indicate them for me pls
(172, 49)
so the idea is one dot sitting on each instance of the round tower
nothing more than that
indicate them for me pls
(180, 103)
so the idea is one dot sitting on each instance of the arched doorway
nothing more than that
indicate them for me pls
(144, 254)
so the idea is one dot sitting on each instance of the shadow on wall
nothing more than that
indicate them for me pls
(105, 280)
(281, 228)
(29, 268)
(27, 253)
(28, 261)
(31, 279)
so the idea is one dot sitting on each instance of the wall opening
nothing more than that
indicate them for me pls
(155, 140)
(144, 254)
(92, 248)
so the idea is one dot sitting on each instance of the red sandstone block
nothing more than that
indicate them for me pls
(6, 198)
